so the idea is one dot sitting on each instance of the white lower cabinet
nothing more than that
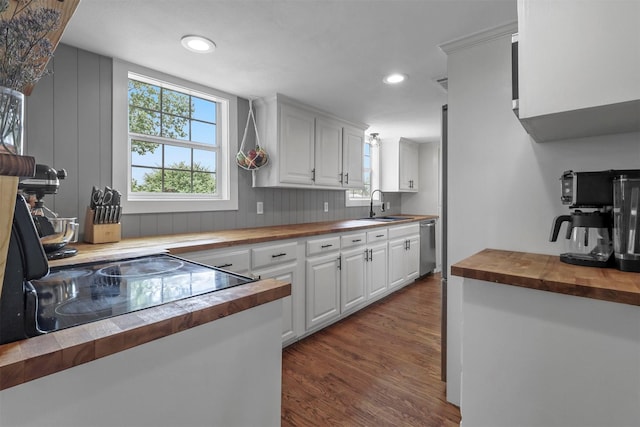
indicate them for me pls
(322, 289)
(352, 278)
(376, 273)
(341, 274)
(291, 305)
(404, 260)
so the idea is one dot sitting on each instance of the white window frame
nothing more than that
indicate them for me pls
(226, 175)
(351, 201)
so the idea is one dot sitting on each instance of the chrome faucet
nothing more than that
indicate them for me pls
(371, 212)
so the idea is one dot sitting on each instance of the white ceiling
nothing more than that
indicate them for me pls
(329, 54)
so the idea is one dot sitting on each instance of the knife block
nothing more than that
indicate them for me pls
(100, 233)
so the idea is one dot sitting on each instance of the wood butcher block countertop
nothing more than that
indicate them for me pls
(36, 357)
(547, 273)
(177, 244)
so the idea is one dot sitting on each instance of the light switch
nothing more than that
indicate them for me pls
(260, 208)
(326, 206)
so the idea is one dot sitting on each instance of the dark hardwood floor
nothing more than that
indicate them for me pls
(378, 367)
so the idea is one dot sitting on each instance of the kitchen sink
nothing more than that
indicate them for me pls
(388, 218)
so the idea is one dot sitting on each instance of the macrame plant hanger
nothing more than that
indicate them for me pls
(254, 158)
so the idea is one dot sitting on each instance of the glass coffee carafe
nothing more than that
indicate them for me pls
(589, 238)
(626, 223)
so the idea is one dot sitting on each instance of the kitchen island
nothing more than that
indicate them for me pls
(216, 355)
(559, 345)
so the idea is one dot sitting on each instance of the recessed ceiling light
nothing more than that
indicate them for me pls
(394, 78)
(198, 44)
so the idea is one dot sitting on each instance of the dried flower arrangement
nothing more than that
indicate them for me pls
(24, 45)
(25, 48)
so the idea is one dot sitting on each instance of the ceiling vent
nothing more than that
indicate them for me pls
(443, 82)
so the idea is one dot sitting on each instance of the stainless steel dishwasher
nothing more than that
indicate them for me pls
(427, 246)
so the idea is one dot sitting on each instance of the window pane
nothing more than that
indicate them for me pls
(146, 179)
(175, 127)
(177, 157)
(177, 181)
(175, 103)
(204, 160)
(367, 149)
(203, 109)
(204, 182)
(144, 121)
(144, 95)
(367, 163)
(203, 132)
(146, 154)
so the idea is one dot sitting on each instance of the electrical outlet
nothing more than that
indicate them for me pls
(388, 205)
(260, 208)
(326, 206)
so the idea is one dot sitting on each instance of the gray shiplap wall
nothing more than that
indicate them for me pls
(69, 126)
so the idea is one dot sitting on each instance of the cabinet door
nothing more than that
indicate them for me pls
(328, 153)
(352, 278)
(296, 145)
(409, 162)
(352, 157)
(377, 273)
(397, 254)
(323, 289)
(290, 310)
(413, 258)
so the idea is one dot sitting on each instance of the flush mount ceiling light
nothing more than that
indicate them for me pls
(198, 44)
(394, 78)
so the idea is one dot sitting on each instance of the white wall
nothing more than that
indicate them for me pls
(504, 187)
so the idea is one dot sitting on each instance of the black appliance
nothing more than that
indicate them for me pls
(589, 232)
(55, 233)
(26, 261)
(83, 293)
(33, 302)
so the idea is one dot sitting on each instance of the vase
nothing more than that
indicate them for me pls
(11, 121)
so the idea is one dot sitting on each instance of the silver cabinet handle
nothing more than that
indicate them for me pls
(341, 177)
(356, 240)
(223, 266)
(370, 254)
(346, 175)
(326, 246)
(278, 255)
(313, 174)
(366, 255)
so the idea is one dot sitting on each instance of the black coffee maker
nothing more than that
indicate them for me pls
(590, 224)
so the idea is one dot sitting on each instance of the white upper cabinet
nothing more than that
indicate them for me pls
(399, 165)
(352, 157)
(328, 149)
(307, 148)
(296, 154)
(578, 67)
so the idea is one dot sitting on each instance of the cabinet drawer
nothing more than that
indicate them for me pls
(235, 261)
(355, 239)
(404, 230)
(377, 235)
(274, 254)
(319, 246)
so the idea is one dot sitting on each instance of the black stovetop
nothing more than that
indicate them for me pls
(83, 293)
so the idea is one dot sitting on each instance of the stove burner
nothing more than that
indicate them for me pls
(64, 275)
(85, 306)
(141, 268)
